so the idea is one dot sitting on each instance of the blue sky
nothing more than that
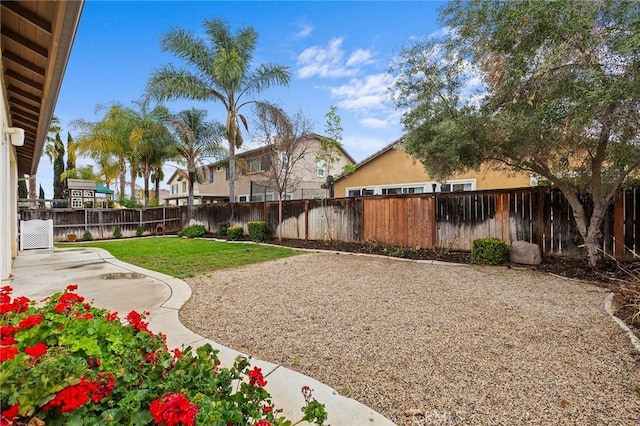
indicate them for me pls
(337, 53)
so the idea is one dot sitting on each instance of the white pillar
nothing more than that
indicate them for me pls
(5, 206)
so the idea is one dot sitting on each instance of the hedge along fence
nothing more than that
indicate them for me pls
(538, 215)
(102, 222)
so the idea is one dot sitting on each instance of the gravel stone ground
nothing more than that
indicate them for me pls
(460, 345)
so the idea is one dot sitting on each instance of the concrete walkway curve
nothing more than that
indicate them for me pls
(122, 287)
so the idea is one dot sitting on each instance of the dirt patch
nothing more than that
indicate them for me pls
(622, 278)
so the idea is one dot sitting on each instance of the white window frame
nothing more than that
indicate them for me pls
(285, 160)
(471, 182)
(320, 168)
(254, 161)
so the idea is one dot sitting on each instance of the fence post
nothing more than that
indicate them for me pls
(540, 213)
(306, 220)
(85, 220)
(618, 226)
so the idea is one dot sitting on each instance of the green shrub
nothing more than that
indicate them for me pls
(258, 230)
(192, 231)
(222, 228)
(66, 362)
(235, 232)
(493, 251)
(117, 233)
(87, 236)
(139, 230)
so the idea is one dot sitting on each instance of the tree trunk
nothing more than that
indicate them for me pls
(146, 188)
(133, 175)
(157, 188)
(589, 230)
(32, 187)
(123, 177)
(191, 179)
(232, 177)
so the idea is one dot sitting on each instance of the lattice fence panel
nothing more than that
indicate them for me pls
(36, 234)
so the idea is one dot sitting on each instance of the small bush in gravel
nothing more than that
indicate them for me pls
(258, 230)
(192, 231)
(493, 251)
(66, 362)
(235, 232)
(139, 230)
(222, 228)
(87, 236)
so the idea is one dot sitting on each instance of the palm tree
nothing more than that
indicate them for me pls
(195, 139)
(220, 72)
(150, 140)
(108, 138)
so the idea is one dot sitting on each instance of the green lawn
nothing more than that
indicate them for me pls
(183, 257)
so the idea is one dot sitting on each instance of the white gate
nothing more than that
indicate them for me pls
(36, 234)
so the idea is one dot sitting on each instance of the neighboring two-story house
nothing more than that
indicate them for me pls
(393, 171)
(254, 176)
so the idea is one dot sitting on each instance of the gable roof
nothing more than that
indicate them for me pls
(376, 154)
(259, 150)
(175, 174)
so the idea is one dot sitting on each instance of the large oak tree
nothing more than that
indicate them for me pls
(552, 88)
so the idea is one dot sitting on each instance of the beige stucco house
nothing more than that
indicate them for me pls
(35, 40)
(392, 171)
(253, 182)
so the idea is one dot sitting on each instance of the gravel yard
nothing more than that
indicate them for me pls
(463, 345)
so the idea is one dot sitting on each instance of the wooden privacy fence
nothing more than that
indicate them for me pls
(448, 220)
(102, 222)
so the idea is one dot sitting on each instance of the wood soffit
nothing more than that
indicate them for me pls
(35, 39)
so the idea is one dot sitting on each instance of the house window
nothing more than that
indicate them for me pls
(269, 196)
(174, 188)
(219, 168)
(391, 191)
(360, 191)
(211, 174)
(257, 197)
(284, 160)
(76, 203)
(320, 168)
(413, 190)
(184, 186)
(243, 198)
(255, 165)
(286, 197)
(76, 193)
(456, 187)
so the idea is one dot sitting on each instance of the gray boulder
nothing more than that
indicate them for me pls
(525, 253)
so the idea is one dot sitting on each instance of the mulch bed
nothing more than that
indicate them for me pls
(622, 278)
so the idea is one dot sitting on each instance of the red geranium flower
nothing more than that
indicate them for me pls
(255, 376)
(262, 423)
(8, 353)
(36, 350)
(71, 397)
(10, 413)
(267, 409)
(173, 409)
(30, 321)
(112, 316)
(72, 287)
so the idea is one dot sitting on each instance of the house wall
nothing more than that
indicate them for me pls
(397, 167)
(304, 174)
(8, 197)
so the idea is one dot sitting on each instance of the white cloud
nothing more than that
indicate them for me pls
(358, 57)
(374, 123)
(304, 31)
(367, 93)
(361, 146)
(328, 61)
